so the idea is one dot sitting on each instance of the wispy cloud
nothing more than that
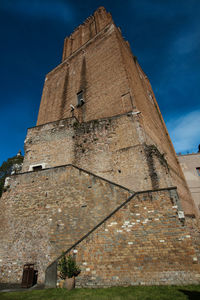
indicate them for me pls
(185, 132)
(49, 9)
(186, 42)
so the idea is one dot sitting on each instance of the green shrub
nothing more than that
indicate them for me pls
(67, 267)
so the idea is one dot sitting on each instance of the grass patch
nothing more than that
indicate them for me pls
(191, 292)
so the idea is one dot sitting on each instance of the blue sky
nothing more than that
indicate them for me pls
(163, 34)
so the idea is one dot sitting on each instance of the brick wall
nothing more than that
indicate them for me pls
(142, 243)
(43, 213)
(151, 121)
(86, 31)
(98, 71)
(111, 148)
(48, 211)
(189, 164)
(98, 61)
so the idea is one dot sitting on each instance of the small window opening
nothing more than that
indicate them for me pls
(80, 99)
(198, 171)
(119, 171)
(37, 168)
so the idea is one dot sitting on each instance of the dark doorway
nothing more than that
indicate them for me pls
(29, 277)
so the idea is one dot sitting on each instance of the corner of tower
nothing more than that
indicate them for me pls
(86, 31)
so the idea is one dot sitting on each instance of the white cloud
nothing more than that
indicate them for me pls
(186, 42)
(185, 132)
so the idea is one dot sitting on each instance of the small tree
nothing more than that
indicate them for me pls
(62, 267)
(68, 267)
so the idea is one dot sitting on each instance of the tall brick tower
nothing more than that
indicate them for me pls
(106, 174)
(100, 78)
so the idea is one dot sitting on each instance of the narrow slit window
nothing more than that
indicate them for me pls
(198, 171)
(80, 99)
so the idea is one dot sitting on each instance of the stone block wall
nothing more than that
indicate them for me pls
(43, 213)
(112, 148)
(136, 239)
(51, 144)
(144, 242)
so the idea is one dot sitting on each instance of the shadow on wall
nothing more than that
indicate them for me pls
(191, 295)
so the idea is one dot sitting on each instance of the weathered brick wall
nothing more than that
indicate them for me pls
(185, 196)
(111, 148)
(82, 34)
(152, 123)
(194, 229)
(43, 213)
(142, 243)
(98, 71)
(98, 61)
(189, 164)
(51, 144)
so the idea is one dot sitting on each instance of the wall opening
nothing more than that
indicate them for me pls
(37, 168)
(80, 99)
(29, 277)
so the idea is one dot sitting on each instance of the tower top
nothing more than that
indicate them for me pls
(84, 32)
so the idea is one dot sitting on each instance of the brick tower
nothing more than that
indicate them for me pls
(106, 174)
(100, 78)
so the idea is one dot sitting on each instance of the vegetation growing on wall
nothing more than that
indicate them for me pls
(12, 164)
(151, 151)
